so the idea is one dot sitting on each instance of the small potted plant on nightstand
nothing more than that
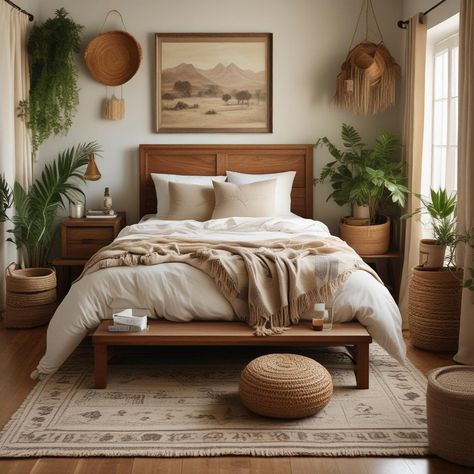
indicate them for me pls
(365, 178)
(31, 289)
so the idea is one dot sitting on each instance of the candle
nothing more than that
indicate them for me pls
(317, 324)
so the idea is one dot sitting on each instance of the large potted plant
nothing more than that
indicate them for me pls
(365, 177)
(435, 288)
(31, 285)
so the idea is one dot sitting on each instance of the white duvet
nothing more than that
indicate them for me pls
(179, 292)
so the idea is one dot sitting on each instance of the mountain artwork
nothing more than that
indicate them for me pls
(213, 83)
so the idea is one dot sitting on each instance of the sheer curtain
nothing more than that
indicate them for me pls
(465, 353)
(15, 143)
(413, 122)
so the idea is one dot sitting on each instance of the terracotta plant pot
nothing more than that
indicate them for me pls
(367, 240)
(431, 254)
(434, 307)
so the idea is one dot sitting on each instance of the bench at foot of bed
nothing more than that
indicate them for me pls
(165, 333)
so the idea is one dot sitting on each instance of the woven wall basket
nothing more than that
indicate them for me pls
(113, 57)
(434, 307)
(30, 297)
(367, 240)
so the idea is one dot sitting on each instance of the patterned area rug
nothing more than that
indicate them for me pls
(190, 407)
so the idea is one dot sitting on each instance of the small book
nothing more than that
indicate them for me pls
(124, 328)
(100, 214)
(131, 317)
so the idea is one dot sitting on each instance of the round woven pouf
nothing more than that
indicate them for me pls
(285, 386)
(450, 411)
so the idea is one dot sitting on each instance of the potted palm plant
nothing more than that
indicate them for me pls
(31, 285)
(364, 177)
(435, 288)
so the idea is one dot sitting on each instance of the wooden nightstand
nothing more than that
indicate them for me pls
(80, 239)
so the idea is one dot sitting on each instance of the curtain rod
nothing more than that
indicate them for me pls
(14, 5)
(404, 23)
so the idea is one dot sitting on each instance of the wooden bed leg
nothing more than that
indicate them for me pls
(100, 365)
(362, 365)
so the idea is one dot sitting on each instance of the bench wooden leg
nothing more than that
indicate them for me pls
(100, 365)
(362, 365)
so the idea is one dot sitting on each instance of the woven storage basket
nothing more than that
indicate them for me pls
(434, 307)
(285, 386)
(367, 240)
(30, 296)
(450, 412)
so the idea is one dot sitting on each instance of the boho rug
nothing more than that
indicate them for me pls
(165, 404)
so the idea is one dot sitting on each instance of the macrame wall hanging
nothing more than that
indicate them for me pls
(113, 58)
(366, 83)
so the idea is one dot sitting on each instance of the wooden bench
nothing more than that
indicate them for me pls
(197, 333)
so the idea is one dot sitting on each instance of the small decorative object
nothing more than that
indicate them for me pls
(107, 200)
(113, 58)
(92, 172)
(285, 386)
(317, 324)
(366, 83)
(328, 320)
(54, 94)
(76, 209)
(450, 413)
(364, 177)
(216, 82)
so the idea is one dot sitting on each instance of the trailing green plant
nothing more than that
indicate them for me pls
(54, 94)
(361, 175)
(36, 209)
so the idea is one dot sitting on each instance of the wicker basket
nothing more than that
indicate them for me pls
(285, 386)
(450, 413)
(367, 240)
(434, 307)
(31, 296)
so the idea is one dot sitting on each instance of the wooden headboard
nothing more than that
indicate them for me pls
(212, 160)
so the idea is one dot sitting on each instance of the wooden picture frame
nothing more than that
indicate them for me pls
(213, 83)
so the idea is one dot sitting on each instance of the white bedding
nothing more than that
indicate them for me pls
(179, 292)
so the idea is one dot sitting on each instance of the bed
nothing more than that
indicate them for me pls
(181, 293)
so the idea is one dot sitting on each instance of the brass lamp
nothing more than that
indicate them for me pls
(92, 172)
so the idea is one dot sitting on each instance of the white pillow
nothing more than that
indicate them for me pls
(284, 184)
(161, 182)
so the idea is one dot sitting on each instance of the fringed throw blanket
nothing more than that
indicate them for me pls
(269, 284)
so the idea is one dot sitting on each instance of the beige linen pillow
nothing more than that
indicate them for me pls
(190, 201)
(248, 200)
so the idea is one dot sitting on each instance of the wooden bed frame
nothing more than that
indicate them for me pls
(213, 160)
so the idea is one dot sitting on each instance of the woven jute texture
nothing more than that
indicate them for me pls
(450, 411)
(434, 307)
(285, 386)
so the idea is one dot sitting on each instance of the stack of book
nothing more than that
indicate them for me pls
(100, 214)
(129, 320)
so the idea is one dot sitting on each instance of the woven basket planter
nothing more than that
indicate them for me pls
(434, 307)
(285, 386)
(367, 240)
(450, 413)
(31, 296)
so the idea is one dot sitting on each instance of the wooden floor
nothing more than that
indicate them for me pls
(20, 351)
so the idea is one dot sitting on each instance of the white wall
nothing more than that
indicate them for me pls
(310, 41)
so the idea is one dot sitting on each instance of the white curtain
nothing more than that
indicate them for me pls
(413, 122)
(465, 353)
(15, 142)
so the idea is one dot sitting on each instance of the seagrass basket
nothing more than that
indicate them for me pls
(285, 386)
(30, 296)
(367, 240)
(434, 308)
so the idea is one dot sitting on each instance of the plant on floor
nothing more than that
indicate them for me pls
(364, 176)
(53, 95)
(36, 209)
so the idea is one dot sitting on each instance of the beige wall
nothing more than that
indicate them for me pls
(441, 13)
(310, 41)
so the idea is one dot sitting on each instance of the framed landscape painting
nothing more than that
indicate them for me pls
(214, 83)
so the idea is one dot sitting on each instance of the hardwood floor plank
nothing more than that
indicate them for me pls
(55, 466)
(234, 465)
(200, 466)
(435, 465)
(387, 466)
(304, 465)
(17, 466)
(104, 466)
(157, 466)
(270, 465)
(352, 465)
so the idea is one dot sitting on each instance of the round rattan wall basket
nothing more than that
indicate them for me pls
(113, 57)
(434, 308)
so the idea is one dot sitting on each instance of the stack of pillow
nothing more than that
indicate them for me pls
(201, 198)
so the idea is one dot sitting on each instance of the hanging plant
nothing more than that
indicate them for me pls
(54, 94)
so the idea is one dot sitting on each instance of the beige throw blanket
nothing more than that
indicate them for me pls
(269, 284)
